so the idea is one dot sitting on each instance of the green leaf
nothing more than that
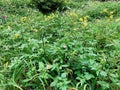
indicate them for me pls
(63, 75)
(103, 73)
(88, 76)
(64, 88)
(41, 66)
(103, 84)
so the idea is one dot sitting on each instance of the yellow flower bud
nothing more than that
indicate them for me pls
(117, 20)
(86, 17)
(23, 19)
(85, 24)
(81, 19)
(6, 64)
(35, 30)
(105, 10)
(98, 20)
(111, 12)
(16, 35)
(111, 16)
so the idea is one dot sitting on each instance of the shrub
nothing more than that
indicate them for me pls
(47, 6)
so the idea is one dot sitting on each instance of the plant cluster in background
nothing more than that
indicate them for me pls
(78, 49)
(48, 6)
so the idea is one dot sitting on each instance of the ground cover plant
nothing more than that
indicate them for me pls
(78, 49)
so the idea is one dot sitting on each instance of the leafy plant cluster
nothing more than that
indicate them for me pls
(47, 6)
(68, 51)
(99, 10)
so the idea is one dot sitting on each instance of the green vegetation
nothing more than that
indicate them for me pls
(48, 6)
(78, 49)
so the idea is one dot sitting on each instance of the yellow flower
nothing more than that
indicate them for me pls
(51, 16)
(1, 26)
(98, 20)
(74, 15)
(81, 19)
(117, 20)
(6, 64)
(111, 16)
(108, 20)
(16, 35)
(111, 12)
(75, 29)
(9, 27)
(105, 10)
(103, 61)
(85, 24)
(74, 53)
(23, 19)
(35, 30)
(86, 17)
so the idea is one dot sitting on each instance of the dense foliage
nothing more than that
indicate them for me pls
(78, 49)
(47, 6)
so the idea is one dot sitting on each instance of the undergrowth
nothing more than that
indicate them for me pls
(78, 49)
